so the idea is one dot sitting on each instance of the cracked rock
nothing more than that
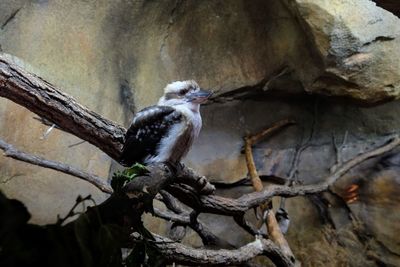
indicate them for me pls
(356, 45)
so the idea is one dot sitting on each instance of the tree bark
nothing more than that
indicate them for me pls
(42, 98)
(271, 223)
(176, 252)
(12, 152)
(231, 207)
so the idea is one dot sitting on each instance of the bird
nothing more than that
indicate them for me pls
(283, 220)
(164, 133)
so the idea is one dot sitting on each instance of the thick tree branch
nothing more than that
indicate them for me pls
(12, 152)
(49, 103)
(198, 182)
(179, 253)
(42, 98)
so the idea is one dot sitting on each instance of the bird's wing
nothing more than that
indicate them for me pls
(147, 128)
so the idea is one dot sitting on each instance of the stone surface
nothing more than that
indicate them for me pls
(262, 58)
(355, 43)
(318, 120)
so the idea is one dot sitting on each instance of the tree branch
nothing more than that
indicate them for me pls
(230, 207)
(181, 216)
(42, 98)
(12, 152)
(179, 253)
(271, 223)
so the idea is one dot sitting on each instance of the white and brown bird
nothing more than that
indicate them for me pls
(166, 131)
(283, 220)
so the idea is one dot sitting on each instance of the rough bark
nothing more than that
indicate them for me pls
(176, 252)
(271, 223)
(42, 98)
(12, 152)
(231, 207)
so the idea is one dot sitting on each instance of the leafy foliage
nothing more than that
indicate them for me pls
(120, 179)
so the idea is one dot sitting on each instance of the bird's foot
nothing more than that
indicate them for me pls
(175, 167)
(180, 166)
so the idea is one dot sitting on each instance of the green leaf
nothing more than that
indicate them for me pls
(120, 179)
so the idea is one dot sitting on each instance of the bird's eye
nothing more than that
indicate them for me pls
(183, 92)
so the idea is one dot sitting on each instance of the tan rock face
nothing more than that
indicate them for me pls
(356, 45)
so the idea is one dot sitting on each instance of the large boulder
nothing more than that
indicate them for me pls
(356, 46)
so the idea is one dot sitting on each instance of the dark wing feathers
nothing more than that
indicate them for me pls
(148, 127)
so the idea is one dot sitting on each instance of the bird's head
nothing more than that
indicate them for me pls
(184, 92)
(282, 213)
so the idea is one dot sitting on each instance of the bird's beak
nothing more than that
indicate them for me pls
(199, 97)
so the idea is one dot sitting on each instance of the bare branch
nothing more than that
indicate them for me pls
(248, 227)
(253, 139)
(271, 223)
(49, 103)
(12, 152)
(182, 217)
(227, 206)
(171, 202)
(338, 150)
(179, 253)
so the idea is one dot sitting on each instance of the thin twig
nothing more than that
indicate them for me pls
(47, 132)
(72, 212)
(338, 150)
(12, 152)
(77, 144)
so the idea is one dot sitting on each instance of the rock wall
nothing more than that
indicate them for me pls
(311, 60)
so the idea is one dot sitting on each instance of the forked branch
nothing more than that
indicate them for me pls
(176, 252)
(230, 207)
(271, 223)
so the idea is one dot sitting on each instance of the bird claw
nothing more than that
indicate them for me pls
(180, 166)
(175, 167)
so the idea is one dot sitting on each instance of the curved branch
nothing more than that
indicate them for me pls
(271, 223)
(207, 237)
(231, 207)
(12, 152)
(179, 253)
(42, 98)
